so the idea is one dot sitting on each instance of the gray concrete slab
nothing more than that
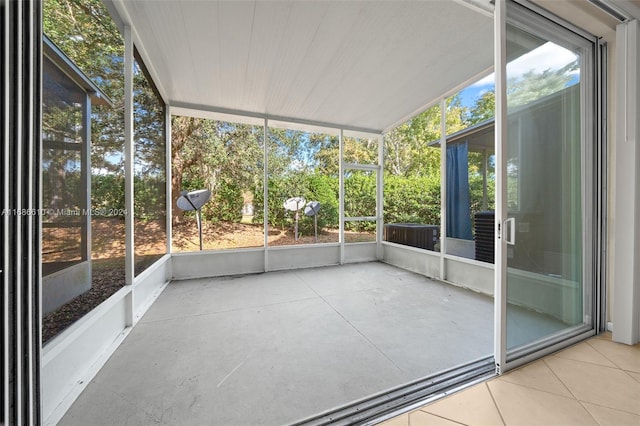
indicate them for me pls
(273, 348)
(201, 296)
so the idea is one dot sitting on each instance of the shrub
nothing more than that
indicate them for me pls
(107, 191)
(312, 187)
(412, 199)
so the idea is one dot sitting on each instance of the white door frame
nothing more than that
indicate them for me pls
(571, 334)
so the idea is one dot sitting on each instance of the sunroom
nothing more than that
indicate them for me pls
(392, 206)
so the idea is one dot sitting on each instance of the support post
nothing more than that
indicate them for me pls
(341, 195)
(265, 192)
(380, 198)
(169, 177)
(129, 152)
(626, 294)
(443, 187)
(500, 287)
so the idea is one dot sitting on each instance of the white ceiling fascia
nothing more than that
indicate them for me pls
(247, 117)
(202, 111)
(361, 135)
(278, 124)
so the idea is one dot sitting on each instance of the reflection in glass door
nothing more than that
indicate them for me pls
(547, 146)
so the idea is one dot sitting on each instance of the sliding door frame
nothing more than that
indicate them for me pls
(536, 20)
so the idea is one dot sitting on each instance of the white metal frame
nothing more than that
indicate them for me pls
(500, 276)
(443, 187)
(506, 11)
(265, 194)
(129, 152)
(341, 196)
(626, 300)
(380, 198)
(378, 169)
(169, 178)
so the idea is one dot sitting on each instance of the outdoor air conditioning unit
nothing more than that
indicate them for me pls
(485, 236)
(412, 234)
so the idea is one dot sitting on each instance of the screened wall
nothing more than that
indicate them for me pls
(64, 170)
(149, 169)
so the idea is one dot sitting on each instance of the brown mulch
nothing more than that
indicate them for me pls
(241, 235)
(108, 249)
(107, 278)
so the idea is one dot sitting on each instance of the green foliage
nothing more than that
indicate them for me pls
(227, 203)
(85, 32)
(223, 157)
(323, 189)
(535, 85)
(149, 198)
(406, 148)
(412, 200)
(476, 195)
(107, 192)
(359, 194)
(313, 187)
(360, 199)
(484, 108)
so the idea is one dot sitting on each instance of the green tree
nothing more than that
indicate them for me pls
(483, 109)
(407, 150)
(534, 85)
(223, 157)
(84, 31)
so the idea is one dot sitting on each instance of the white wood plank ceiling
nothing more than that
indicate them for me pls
(353, 64)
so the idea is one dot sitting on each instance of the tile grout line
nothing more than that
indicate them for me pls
(352, 326)
(437, 415)
(589, 363)
(544, 360)
(629, 375)
(495, 403)
(614, 367)
(567, 387)
(589, 412)
(608, 408)
(606, 357)
(537, 389)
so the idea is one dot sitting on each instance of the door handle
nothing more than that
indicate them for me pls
(510, 231)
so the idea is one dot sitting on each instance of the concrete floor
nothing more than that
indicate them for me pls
(277, 347)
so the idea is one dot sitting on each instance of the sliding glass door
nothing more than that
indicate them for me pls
(547, 173)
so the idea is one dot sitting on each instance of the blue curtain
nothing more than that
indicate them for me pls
(458, 203)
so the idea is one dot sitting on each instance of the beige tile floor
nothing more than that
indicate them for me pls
(596, 382)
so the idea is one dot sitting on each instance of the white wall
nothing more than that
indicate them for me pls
(626, 263)
(250, 261)
(217, 263)
(467, 273)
